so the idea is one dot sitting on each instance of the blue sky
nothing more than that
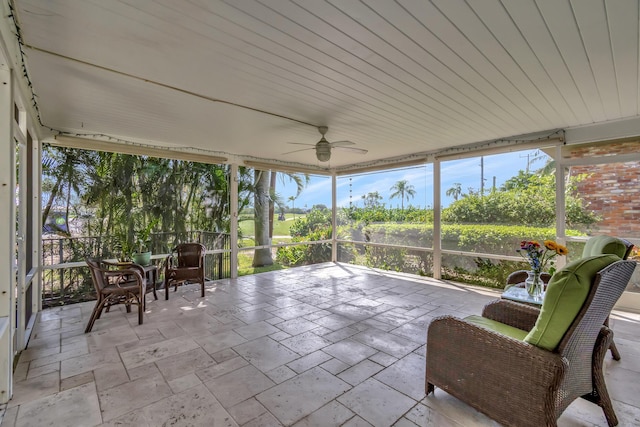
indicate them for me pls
(464, 171)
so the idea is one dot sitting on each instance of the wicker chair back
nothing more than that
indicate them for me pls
(578, 343)
(185, 263)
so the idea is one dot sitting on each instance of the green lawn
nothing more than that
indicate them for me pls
(280, 228)
(245, 268)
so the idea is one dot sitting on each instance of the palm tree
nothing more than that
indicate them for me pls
(66, 167)
(455, 191)
(292, 199)
(372, 200)
(299, 179)
(129, 192)
(262, 256)
(264, 202)
(401, 189)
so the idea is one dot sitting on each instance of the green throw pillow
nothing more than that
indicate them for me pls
(600, 245)
(566, 293)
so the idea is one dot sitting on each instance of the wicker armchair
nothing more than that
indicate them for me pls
(517, 383)
(185, 263)
(116, 285)
(596, 245)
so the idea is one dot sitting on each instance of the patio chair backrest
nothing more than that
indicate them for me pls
(97, 277)
(190, 254)
(578, 343)
(598, 245)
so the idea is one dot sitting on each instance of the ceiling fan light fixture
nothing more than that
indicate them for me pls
(323, 155)
(323, 150)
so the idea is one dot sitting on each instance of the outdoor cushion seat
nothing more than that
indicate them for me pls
(529, 380)
(501, 328)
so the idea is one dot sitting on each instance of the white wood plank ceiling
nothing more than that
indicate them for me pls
(395, 77)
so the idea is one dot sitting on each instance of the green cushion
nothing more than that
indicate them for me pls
(566, 293)
(599, 245)
(501, 328)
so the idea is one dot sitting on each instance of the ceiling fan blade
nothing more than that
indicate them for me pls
(352, 149)
(341, 143)
(301, 143)
(296, 151)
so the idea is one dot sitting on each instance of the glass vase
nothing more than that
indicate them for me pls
(534, 285)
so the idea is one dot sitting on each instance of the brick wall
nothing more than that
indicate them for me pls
(611, 190)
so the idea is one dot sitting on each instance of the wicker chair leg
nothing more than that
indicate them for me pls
(600, 394)
(140, 308)
(429, 388)
(95, 314)
(607, 406)
(614, 351)
(103, 309)
(202, 289)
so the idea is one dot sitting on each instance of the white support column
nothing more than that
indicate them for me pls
(334, 225)
(21, 325)
(233, 229)
(35, 217)
(560, 204)
(7, 234)
(437, 210)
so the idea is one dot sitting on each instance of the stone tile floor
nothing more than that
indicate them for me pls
(324, 345)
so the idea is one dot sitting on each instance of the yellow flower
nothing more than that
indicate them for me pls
(540, 257)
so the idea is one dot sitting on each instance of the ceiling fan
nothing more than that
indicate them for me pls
(323, 147)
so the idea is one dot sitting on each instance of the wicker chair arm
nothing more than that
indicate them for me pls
(137, 267)
(487, 369)
(169, 261)
(516, 277)
(511, 313)
(124, 275)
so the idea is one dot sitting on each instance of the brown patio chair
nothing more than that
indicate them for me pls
(185, 263)
(115, 284)
(505, 366)
(596, 245)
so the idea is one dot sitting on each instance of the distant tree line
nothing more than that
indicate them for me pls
(119, 194)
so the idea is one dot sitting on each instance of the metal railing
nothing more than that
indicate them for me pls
(66, 278)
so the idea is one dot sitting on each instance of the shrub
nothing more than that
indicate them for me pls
(481, 238)
(369, 215)
(526, 198)
(314, 227)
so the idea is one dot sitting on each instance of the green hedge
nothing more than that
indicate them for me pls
(481, 238)
(489, 238)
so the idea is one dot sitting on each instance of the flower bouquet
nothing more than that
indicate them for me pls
(539, 257)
